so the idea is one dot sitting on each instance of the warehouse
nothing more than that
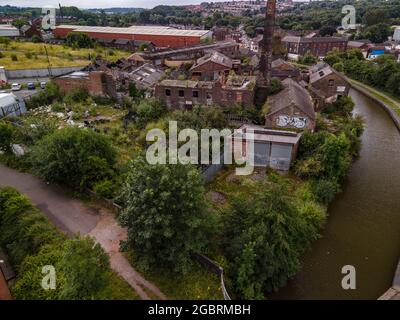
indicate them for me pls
(7, 30)
(162, 37)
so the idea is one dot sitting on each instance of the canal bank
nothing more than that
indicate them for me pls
(363, 227)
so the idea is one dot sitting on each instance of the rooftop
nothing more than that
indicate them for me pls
(292, 94)
(215, 57)
(143, 30)
(258, 133)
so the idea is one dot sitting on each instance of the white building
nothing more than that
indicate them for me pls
(11, 105)
(7, 30)
(396, 34)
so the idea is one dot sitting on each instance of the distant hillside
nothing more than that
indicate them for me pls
(116, 10)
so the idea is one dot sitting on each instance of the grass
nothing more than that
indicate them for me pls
(197, 284)
(33, 55)
(118, 289)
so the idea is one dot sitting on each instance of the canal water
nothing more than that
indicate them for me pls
(363, 227)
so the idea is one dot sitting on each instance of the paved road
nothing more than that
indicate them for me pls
(72, 216)
(67, 214)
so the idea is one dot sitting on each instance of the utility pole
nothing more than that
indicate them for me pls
(48, 62)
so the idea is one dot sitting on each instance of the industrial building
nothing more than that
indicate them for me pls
(7, 30)
(161, 36)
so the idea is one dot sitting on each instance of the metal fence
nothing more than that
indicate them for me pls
(213, 267)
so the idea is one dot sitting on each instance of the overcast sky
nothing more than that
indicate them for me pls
(97, 3)
(100, 3)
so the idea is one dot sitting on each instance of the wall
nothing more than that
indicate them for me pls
(39, 73)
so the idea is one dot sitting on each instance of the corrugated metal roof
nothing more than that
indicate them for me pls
(142, 30)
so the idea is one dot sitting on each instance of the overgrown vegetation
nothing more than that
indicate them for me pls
(382, 73)
(82, 267)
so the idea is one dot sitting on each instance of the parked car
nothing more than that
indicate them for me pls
(31, 86)
(43, 85)
(16, 87)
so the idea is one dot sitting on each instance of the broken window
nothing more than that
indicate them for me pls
(168, 92)
(181, 93)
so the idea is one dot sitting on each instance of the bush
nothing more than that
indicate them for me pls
(105, 189)
(325, 190)
(75, 157)
(6, 134)
(50, 94)
(77, 95)
(82, 267)
(147, 111)
(14, 57)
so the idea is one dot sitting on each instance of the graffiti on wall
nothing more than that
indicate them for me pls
(288, 121)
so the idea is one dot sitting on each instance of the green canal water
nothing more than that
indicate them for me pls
(363, 227)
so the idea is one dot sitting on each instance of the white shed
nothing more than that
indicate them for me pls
(11, 105)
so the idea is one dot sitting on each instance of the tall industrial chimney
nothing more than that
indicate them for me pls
(266, 47)
(264, 75)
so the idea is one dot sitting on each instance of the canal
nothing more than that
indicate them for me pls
(363, 227)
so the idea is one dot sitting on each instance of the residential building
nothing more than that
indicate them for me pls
(291, 108)
(161, 36)
(396, 34)
(98, 83)
(327, 85)
(272, 148)
(316, 46)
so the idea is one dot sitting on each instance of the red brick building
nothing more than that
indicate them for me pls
(162, 37)
(316, 46)
(98, 83)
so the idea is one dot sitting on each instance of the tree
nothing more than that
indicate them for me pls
(308, 59)
(86, 268)
(266, 234)
(75, 157)
(6, 134)
(377, 33)
(166, 214)
(327, 31)
(134, 92)
(79, 40)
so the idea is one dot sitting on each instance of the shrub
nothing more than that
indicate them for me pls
(105, 189)
(14, 57)
(325, 190)
(74, 157)
(6, 134)
(77, 95)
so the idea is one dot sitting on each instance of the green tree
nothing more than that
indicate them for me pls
(266, 234)
(166, 214)
(74, 157)
(147, 111)
(86, 268)
(79, 40)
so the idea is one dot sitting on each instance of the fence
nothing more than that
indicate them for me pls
(213, 267)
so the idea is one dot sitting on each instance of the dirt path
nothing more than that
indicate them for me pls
(72, 216)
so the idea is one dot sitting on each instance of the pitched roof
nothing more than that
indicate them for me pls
(292, 94)
(215, 57)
